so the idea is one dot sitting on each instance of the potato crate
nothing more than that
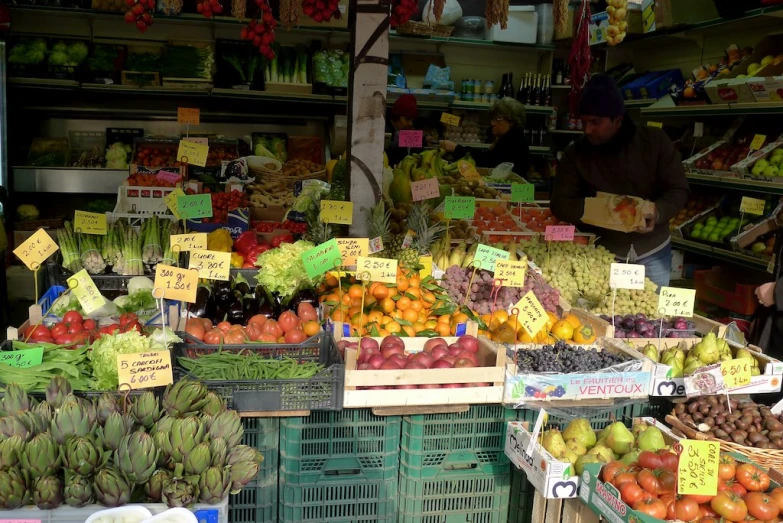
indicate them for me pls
(467, 443)
(257, 502)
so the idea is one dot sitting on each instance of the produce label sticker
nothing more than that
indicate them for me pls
(626, 276)
(177, 284)
(188, 242)
(82, 286)
(758, 142)
(511, 273)
(676, 302)
(322, 258)
(449, 119)
(408, 240)
(35, 249)
(697, 472)
(532, 314)
(486, 257)
(752, 205)
(144, 370)
(381, 270)
(659, 125)
(736, 373)
(195, 206)
(352, 248)
(704, 382)
(340, 213)
(376, 245)
(168, 177)
(559, 233)
(211, 265)
(188, 115)
(192, 153)
(171, 201)
(410, 138)
(89, 222)
(460, 207)
(22, 359)
(522, 192)
(425, 189)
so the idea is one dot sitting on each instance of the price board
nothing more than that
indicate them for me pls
(559, 233)
(425, 189)
(21, 359)
(410, 138)
(187, 242)
(168, 177)
(89, 222)
(188, 115)
(511, 273)
(34, 250)
(82, 286)
(211, 265)
(460, 207)
(736, 373)
(626, 276)
(752, 205)
(697, 472)
(381, 270)
(532, 314)
(340, 213)
(522, 192)
(676, 302)
(758, 142)
(449, 119)
(195, 206)
(192, 153)
(351, 248)
(144, 370)
(177, 284)
(486, 257)
(171, 201)
(322, 258)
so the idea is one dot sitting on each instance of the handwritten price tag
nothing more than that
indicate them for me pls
(449, 119)
(559, 233)
(203, 140)
(322, 258)
(425, 189)
(86, 292)
(211, 265)
(171, 201)
(21, 359)
(511, 273)
(752, 205)
(145, 370)
(376, 245)
(192, 153)
(89, 222)
(736, 373)
(698, 468)
(532, 314)
(486, 257)
(35, 249)
(177, 284)
(676, 302)
(195, 206)
(340, 213)
(352, 248)
(188, 115)
(187, 242)
(758, 142)
(426, 266)
(460, 207)
(659, 125)
(522, 192)
(380, 269)
(410, 138)
(168, 177)
(626, 276)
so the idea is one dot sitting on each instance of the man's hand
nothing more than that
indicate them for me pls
(649, 222)
(448, 146)
(766, 294)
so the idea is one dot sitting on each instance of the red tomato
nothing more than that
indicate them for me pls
(669, 460)
(271, 327)
(699, 499)
(82, 338)
(631, 493)
(195, 328)
(761, 506)
(651, 507)
(59, 329)
(684, 509)
(777, 495)
(89, 324)
(656, 481)
(623, 477)
(650, 460)
(253, 331)
(223, 326)
(40, 333)
(213, 337)
(66, 339)
(729, 505)
(234, 338)
(288, 321)
(75, 328)
(260, 319)
(73, 317)
(613, 469)
(110, 329)
(752, 478)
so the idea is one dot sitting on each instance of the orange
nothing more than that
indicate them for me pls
(513, 321)
(331, 280)
(414, 282)
(410, 315)
(552, 320)
(443, 329)
(358, 320)
(355, 291)
(524, 337)
(418, 327)
(387, 305)
(407, 329)
(385, 320)
(563, 330)
(311, 328)
(430, 324)
(428, 299)
(417, 305)
(346, 299)
(356, 302)
(404, 303)
(573, 320)
(402, 283)
(393, 292)
(383, 333)
(369, 301)
(380, 292)
(446, 318)
(339, 315)
(332, 298)
(393, 327)
(584, 334)
(375, 317)
(413, 292)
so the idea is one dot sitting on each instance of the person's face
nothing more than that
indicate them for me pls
(403, 123)
(600, 129)
(500, 126)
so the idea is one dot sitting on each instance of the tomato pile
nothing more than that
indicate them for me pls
(140, 13)
(148, 180)
(287, 225)
(650, 486)
(74, 330)
(149, 156)
(261, 30)
(402, 10)
(218, 153)
(321, 10)
(222, 203)
(209, 7)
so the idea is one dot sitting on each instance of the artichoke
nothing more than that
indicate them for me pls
(161, 440)
(116, 427)
(48, 492)
(137, 457)
(154, 487)
(179, 493)
(34, 422)
(162, 425)
(82, 457)
(13, 489)
(213, 485)
(111, 487)
(78, 490)
(44, 410)
(71, 420)
(10, 452)
(227, 425)
(41, 456)
(185, 434)
(243, 464)
(219, 451)
(107, 404)
(15, 400)
(145, 409)
(12, 426)
(184, 398)
(214, 405)
(56, 391)
(197, 460)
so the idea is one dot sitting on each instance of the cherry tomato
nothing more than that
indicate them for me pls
(89, 324)
(59, 329)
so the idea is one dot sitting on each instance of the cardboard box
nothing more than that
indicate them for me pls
(731, 89)
(669, 13)
(599, 23)
(744, 168)
(743, 241)
(769, 89)
(641, 21)
(616, 212)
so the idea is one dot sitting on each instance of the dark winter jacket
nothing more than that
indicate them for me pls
(511, 148)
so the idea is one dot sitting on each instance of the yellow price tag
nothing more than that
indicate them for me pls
(511, 273)
(380, 269)
(192, 153)
(351, 248)
(177, 284)
(758, 142)
(171, 201)
(211, 265)
(340, 213)
(698, 467)
(449, 119)
(532, 314)
(659, 125)
(188, 242)
(426, 270)
(82, 286)
(676, 302)
(736, 373)
(144, 370)
(89, 222)
(188, 115)
(752, 206)
(35, 249)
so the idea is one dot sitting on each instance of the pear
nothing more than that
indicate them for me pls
(571, 456)
(744, 354)
(605, 453)
(723, 347)
(651, 439)
(637, 429)
(620, 439)
(631, 457)
(707, 349)
(580, 430)
(725, 357)
(651, 351)
(603, 434)
(584, 460)
(691, 367)
(576, 446)
(554, 444)
(676, 370)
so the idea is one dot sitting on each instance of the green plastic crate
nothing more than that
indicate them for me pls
(472, 442)
(522, 494)
(257, 502)
(455, 499)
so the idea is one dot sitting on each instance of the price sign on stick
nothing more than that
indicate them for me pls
(82, 286)
(511, 273)
(177, 284)
(449, 119)
(322, 258)
(89, 222)
(171, 201)
(195, 206)
(697, 472)
(486, 257)
(35, 249)
(351, 248)
(752, 206)
(626, 276)
(380, 269)
(192, 153)
(168, 177)
(460, 207)
(559, 233)
(188, 115)
(532, 314)
(187, 242)
(736, 373)
(211, 265)
(144, 370)
(758, 142)
(676, 302)
(425, 189)
(21, 359)
(340, 213)
(522, 192)
(410, 138)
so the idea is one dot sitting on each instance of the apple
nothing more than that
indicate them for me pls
(770, 171)
(775, 161)
(767, 60)
(759, 167)
(434, 342)
(777, 152)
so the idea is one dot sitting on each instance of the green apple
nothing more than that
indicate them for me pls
(777, 152)
(770, 171)
(767, 60)
(712, 220)
(776, 160)
(696, 234)
(708, 229)
(714, 237)
(759, 167)
(698, 226)
(758, 247)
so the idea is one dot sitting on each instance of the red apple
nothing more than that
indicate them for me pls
(434, 342)
(469, 343)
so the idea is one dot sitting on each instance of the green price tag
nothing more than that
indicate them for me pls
(322, 258)
(460, 207)
(195, 206)
(522, 192)
(486, 257)
(22, 359)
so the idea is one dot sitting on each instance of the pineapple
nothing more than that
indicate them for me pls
(318, 231)
(425, 236)
(378, 224)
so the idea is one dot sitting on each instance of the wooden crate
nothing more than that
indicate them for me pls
(140, 79)
(286, 88)
(561, 510)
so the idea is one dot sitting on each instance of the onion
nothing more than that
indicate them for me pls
(425, 359)
(390, 365)
(441, 364)
(376, 360)
(469, 343)
(439, 352)
(342, 344)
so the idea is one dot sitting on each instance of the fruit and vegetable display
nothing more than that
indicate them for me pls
(696, 205)
(181, 449)
(640, 326)
(222, 203)
(562, 358)
(693, 88)
(716, 230)
(770, 165)
(289, 66)
(496, 219)
(426, 165)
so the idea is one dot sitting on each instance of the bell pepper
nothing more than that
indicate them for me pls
(219, 240)
(283, 238)
(246, 241)
(237, 260)
(255, 252)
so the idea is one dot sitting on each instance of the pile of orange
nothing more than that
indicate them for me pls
(505, 328)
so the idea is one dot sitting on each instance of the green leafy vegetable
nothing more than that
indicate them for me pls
(105, 351)
(282, 269)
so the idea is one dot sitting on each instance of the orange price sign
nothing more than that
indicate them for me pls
(187, 115)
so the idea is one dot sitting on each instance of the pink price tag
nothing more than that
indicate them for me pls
(410, 138)
(559, 233)
(20, 521)
(425, 189)
(168, 177)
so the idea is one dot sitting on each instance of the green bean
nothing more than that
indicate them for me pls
(247, 366)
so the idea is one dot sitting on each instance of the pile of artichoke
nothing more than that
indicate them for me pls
(182, 449)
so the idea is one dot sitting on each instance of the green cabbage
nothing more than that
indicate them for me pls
(282, 270)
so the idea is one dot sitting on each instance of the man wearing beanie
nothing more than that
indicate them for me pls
(403, 113)
(618, 157)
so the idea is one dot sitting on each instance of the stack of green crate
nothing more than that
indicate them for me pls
(453, 468)
(339, 467)
(522, 493)
(257, 502)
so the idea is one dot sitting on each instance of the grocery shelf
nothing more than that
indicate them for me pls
(565, 131)
(735, 183)
(45, 83)
(665, 107)
(639, 103)
(479, 106)
(720, 254)
(560, 87)
(272, 96)
(67, 180)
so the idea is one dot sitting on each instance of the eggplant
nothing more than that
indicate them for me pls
(249, 307)
(264, 302)
(222, 289)
(200, 309)
(236, 314)
(222, 304)
(241, 285)
(303, 295)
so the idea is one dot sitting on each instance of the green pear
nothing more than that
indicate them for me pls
(725, 357)
(637, 429)
(744, 354)
(580, 429)
(691, 367)
(631, 457)
(583, 460)
(651, 439)
(571, 456)
(554, 444)
(707, 349)
(576, 446)
(605, 453)
(723, 347)
(676, 370)
(620, 439)
(651, 351)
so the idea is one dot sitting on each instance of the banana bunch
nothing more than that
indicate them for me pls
(675, 358)
(444, 256)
